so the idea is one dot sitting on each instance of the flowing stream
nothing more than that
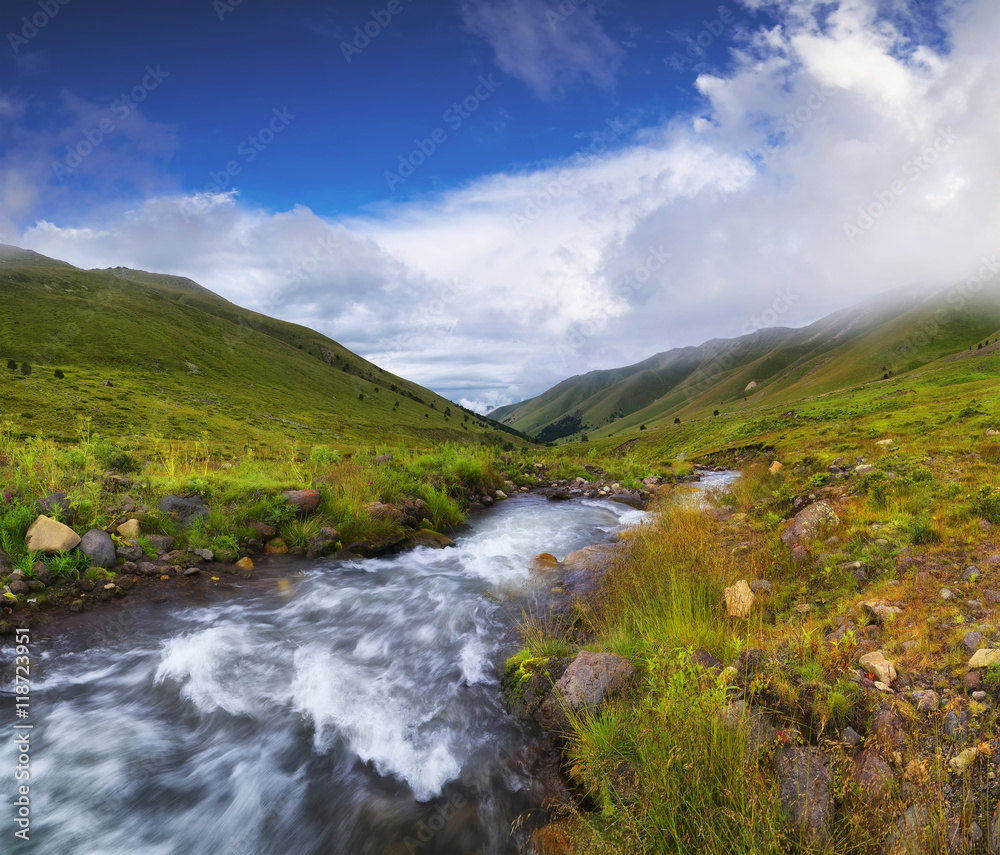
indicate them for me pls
(347, 707)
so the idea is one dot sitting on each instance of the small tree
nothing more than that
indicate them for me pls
(12, 365)
(59, 375)
(25, 369)
(715, 413)
(677, 421)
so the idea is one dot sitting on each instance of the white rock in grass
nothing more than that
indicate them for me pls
(739, 599)
(876, 663)
(984, 658)
(50, 536)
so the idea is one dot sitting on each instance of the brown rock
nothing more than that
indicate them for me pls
(264, 531)
(245, 564)
(872, 774)
(806, 524)
(888, 729)
(276, 547)
(304, 501)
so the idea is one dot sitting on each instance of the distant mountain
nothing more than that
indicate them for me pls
(146, 353)
(891, 334)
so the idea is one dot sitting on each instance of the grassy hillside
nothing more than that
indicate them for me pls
(885, 337)
(143, 353)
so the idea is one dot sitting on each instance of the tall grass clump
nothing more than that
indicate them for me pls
(669, 774)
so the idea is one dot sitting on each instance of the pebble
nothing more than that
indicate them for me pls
(851, 736)
(947, 594)
(164, 578)
(979, 695)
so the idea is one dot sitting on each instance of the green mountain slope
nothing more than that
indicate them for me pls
(891, 334)
(144, 353)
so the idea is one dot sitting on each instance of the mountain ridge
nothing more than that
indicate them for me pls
(885, 335)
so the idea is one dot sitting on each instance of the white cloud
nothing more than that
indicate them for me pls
(495, 291)
(547, 44)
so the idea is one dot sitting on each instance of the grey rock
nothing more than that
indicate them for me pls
(590, 679)
(130, 552)
(204, 554)
(184, 511)
(972, 641)
(192, 571)
(98, 546)
(760, 586)
(162, 542)
(851, 736)
(324, 543)
(805, 787)
(807, 523)
(758, 731)
(947, 594)
(971, 573)
(57, 506)
(956, 726)
(147, 568)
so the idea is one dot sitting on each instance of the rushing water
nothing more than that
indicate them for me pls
(350, 707)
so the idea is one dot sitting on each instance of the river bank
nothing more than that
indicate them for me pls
(342, 703)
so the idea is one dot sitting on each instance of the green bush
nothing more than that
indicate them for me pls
(986, 504)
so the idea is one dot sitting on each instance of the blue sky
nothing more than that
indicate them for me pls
(488, 197)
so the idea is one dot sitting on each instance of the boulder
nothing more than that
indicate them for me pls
(161, 542)
(304, 501)
(739, 599)
(184, 511)
(245, 564)
(984, 658)
(805, 787)
(264, 531)
(327, 541)
(380, 510)
(590, 679)
(129, 530)
(57, 506)
(98, 546)
(430, 539)
(755, 725)
(876, 663)
(50, 536)
(807, 523)
(872, 774)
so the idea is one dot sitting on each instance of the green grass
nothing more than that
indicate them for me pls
(126, 342)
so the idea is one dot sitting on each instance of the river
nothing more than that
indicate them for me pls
(346, 707)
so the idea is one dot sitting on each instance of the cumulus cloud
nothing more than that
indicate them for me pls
(548, 44)
(840, 155)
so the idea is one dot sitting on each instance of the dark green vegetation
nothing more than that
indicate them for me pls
(882, 341)
(142, 354)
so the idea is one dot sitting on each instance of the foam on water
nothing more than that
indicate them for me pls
(318, 718)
